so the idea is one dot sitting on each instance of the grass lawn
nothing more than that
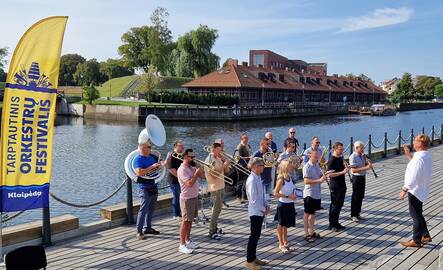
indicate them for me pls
(172, 82)
(117, 86)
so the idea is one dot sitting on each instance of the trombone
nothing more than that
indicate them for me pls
(208, 166)
(234, 160)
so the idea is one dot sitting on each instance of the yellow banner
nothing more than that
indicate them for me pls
(28, 116)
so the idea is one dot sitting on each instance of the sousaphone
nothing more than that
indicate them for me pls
(154, 133)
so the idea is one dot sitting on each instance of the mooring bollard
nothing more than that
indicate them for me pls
(351, 146)
(330, 148)
(385, 150)
(412, 138)
(432, 135)
(441, 134)
(370, 146)
(129, 204)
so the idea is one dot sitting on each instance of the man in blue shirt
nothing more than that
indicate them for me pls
(266, 175)
(144, 163)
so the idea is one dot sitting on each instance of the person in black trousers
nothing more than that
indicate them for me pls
(337, 186)
(359, 165)
(417, 181)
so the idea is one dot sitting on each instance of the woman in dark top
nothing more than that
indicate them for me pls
(337, 186)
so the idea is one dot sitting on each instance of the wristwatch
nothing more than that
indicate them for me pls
(405, 189)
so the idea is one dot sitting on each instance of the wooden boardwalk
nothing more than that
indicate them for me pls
(372, 244)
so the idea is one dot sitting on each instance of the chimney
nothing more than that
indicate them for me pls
(245, 64)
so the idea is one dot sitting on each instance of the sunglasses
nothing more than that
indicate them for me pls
(292, 132)
(148, 146)
(317, 143)
(191, 157)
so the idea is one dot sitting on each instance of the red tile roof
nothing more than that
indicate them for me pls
(238, 76)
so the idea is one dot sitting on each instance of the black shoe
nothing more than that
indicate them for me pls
(333, 228)
(219, 231)
(340, 227)
(226, 205)
(214, 236)
(151, 231)
(321, 208)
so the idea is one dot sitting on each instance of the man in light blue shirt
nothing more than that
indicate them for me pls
(257, 208)
(315, 146)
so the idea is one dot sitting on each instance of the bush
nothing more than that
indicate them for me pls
(190, 98)
(90, 93)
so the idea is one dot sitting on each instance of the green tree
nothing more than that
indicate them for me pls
(88, 73)
(3, 62)
(90, 93)
(194, 52)
(405, 91)
(425, 87)
(68, 67)
(148, 82)
(438, 91)
(115, 68)
(148, 45)
(3, 54)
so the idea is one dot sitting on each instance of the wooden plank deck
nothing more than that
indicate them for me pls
(372, 244)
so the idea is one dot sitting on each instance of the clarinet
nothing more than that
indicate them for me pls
(373, 171)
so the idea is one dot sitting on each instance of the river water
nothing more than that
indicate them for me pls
(89, 154)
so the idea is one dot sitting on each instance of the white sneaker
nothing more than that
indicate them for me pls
(191, 244)
(185, 249)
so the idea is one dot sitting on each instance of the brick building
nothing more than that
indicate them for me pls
(271, 78)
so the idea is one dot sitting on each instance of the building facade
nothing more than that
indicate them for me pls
(270, 78)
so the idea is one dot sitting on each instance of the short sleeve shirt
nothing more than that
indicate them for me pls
(143, 162)
(243, 151)
(356, 161)
(173, 164)
(185, 174)
(312, 171)
(266, 175)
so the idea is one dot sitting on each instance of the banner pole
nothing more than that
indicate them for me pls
(46, 228)
(1, 237)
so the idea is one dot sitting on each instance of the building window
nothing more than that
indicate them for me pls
(258, 59)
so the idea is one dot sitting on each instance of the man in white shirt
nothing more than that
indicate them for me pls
(417, 180)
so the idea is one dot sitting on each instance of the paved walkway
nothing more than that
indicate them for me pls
(372, 244)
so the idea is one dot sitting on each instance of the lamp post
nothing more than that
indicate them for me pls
(354, 95)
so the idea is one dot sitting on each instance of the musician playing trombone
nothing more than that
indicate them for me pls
(188, 175)
(216, 185)
(144, 163)
(359, 165)
(243, 153)
(337, 186)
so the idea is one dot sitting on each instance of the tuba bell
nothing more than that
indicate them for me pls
(153, 133)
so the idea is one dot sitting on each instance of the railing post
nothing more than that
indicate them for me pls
(412, 138)
(370, 146)
(304, 147)
(432, 136)
(129, 204)
(399, 142)
(385, 150)
(46, 228)
(441, 134)
(330, 148)
(423, 130)
(351, 146)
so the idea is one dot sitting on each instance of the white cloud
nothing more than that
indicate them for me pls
(377, 18)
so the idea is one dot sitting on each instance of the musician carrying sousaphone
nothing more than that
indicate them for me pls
(147, 169)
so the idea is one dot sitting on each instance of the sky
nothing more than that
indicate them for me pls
(382, 39)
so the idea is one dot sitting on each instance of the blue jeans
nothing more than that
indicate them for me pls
(147, 207)
(175, 189)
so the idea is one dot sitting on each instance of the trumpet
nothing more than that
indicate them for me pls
(234, 160)
(209, 166)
